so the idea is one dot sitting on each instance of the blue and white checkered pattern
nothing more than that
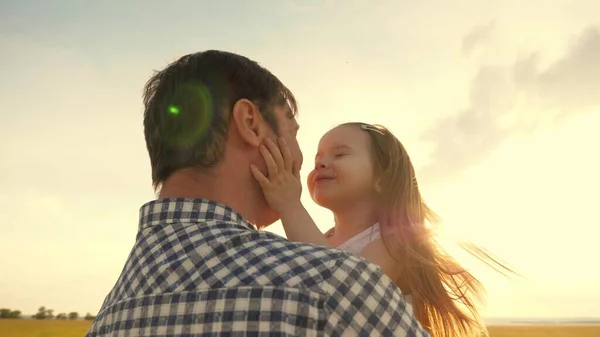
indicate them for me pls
(199, 269)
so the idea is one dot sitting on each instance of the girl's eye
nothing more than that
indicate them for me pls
(339, 155)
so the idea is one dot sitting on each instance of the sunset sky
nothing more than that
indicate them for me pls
(497, 102)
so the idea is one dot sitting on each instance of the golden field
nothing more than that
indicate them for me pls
(544, 331)
(42, 328)
(54, 328)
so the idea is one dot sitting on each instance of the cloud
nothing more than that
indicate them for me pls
(570, 84)
(514, 99)
(476, 37)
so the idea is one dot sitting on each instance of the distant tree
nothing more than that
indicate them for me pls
(89, 317)
(73, 315)
(41, 314)
(44, 313)
(4, 313)
(15, 314)
(62, 316)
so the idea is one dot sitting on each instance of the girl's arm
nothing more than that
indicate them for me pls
(299, 225)
(283, 189)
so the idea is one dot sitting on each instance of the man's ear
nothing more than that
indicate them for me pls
(248, 122)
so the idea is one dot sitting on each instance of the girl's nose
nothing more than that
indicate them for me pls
(320, 163)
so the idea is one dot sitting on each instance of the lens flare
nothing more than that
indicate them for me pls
(192, 113)
(173, 110)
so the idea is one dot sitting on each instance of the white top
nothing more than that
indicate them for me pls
(357, 243)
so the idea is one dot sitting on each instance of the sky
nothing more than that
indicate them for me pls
(496, 102)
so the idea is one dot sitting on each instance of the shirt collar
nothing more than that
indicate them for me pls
(187, 210)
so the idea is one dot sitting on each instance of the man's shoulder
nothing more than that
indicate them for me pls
(229, 253)
(334, 266)
(342, 261)
(289, 260)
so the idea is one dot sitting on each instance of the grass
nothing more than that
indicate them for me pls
(43, 328)
(544, 331)
(54, 328)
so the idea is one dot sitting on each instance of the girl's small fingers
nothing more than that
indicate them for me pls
(262, 180)
(275, 153)
(288, 161)
(269, 161)
(296, 170)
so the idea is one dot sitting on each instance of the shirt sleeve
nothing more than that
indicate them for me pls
(365, 302)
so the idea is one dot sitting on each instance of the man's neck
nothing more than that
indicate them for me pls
(233, 189)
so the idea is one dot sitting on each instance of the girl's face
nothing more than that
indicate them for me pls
(343, 173)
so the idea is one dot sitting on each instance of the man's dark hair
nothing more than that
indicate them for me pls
(188, 108)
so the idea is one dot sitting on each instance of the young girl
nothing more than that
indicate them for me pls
(364, 176)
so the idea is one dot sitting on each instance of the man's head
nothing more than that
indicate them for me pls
(206, 114)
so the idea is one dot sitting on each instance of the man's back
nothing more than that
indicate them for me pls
(199, 269)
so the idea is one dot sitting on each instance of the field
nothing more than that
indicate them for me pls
(54, 328)
(544, 331)
(42, 328)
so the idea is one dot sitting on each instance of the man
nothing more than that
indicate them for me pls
(199, 266)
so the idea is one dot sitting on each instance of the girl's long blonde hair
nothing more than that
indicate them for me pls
(444, 294)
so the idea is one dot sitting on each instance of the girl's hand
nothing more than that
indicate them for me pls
(282, 188)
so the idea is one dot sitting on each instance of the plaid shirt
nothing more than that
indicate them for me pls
(199, 269)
